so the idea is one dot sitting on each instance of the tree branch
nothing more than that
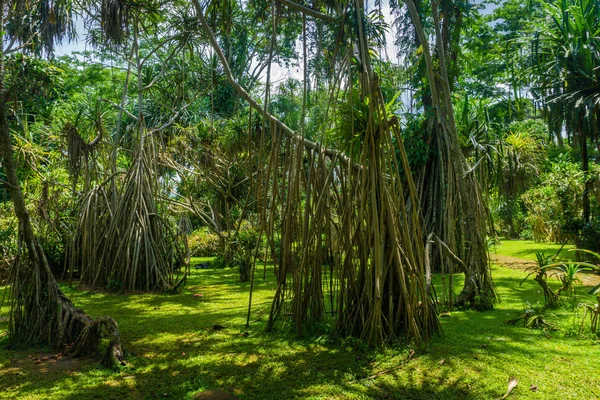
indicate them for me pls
(307, 11)
(118, 107)
(289, 132)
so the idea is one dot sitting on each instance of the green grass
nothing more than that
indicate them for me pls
(527, 249)
(176, 352)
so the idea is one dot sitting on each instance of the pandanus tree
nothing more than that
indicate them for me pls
(453, 209)
(39, 310)
(315, 200)
(566, 70)
(124, 238)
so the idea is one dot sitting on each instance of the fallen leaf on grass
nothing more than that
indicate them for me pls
(442, 361)
(512, 383)
(533, 388)
(198, 295)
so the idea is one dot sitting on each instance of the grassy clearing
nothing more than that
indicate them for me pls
(176, 353)
(527, 249)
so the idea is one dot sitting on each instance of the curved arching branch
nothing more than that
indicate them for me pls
(289, 132)
(307, 11)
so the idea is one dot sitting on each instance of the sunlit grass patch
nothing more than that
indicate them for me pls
(527, 249)
(174, 350)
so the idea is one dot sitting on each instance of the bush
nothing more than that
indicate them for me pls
(114, 286)
(219, 262)
(245, 244)
(554, 206)
(203, 243)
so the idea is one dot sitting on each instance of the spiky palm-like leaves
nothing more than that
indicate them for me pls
(566, 67)
(114, 18)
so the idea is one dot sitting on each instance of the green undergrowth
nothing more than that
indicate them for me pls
(174, 352)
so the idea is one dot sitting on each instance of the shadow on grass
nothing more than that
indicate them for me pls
(176, 353)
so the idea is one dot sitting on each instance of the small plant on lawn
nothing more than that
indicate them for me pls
(593, 310)
(568, 273)
(551, 299)
(492, 242)
(244, 247)
(533, 318)
(595, 268)
(114, 286)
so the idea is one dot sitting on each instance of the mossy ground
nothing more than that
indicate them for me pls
(175, 353)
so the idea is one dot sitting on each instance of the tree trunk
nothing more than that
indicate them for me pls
(464, 216)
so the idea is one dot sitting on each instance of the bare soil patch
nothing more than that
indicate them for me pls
(44, 363)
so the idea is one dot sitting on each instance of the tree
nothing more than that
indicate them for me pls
(351, 204)
(453, 208)
(566, 60)
(40, 312)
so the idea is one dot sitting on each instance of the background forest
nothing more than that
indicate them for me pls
(363, 158)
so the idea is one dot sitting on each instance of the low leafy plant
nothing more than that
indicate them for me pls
(568, 273)
(551, 299)
(595, 268)
(533, 318)
(204, 243)
(219, 262)
(492, 242)
(593, 310)
(245, 246)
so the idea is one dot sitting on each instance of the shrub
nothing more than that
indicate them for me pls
(554, 207)
(204, 243)
(245, 244)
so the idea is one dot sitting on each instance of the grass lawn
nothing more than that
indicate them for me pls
(175, 353)
(526, 249)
